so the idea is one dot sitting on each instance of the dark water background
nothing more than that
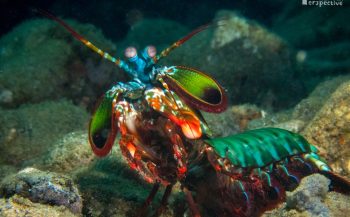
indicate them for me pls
(112, 16)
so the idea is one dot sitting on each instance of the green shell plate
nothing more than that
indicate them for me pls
(258, 148)
(197, 88)
(102, 130)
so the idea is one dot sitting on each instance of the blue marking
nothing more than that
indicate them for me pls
(325, 168)
(145, 55)
(246, 196)
(287, 147)
(268, 178)
(314, 155)
(295, 178)
(276, 190)
(309, 166)
(273, 153)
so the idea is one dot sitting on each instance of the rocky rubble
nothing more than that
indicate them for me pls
(40, 187)
(311, 199)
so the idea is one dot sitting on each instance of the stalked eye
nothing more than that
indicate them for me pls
(130, 52)
(151, 51)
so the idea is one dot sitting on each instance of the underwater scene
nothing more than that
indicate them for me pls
(175, 108)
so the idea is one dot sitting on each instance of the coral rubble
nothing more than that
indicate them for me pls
(311, 199)
(30, 130)
(42, 187)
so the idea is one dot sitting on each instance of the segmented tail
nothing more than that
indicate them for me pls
(87, 43)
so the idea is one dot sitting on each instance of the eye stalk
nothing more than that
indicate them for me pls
(130, 52)
(150, 51)
(140, 65)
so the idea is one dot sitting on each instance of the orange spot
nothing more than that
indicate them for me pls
(131, 149)
(189, 123)
(182, 170)
(151, 168)
(217, 168)
(191, 131)
(133, 166)
(149, 180)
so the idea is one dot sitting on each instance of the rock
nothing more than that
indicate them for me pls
(338, 203)
(40, 60)
(246, 113)
(253, 64)
(330, 129)
(308, 196)
(110, 188)
(312, 199)
(43, 187)
(69, 153)
(222, 124)
(292, 125)
(297, 118)
(258, 68)
(234, 120)
(307, 108)
(31, 130)
(270, 119)
(6, 170)
(17, 206)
